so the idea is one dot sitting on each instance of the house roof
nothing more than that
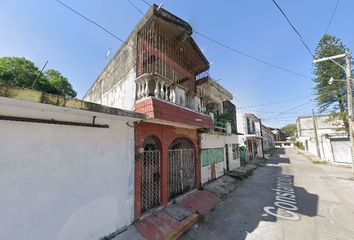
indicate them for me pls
(251, 115)
(171, 18)
(30, 95)
(208, 80)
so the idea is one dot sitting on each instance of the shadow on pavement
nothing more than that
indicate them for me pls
(243, 210)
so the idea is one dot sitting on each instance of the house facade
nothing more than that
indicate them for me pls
(332, 140)
(268, 139)
(161, 72)
(249, 125)
(280, 135)
(219, 149)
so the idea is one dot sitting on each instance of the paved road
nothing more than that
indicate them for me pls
(323, 207)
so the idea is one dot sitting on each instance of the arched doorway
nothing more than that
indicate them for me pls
(150, 174)
(181, 167)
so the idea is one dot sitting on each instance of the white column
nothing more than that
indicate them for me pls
(138, 90)
(172, 94)
(146, 90)
(156, 92)
(166, 93)
(162, 94)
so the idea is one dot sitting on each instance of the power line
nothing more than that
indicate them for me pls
(330, 21)
(136, 7)
(277, 102)
(94, 23)
(243, 53)
(293, 27)
(146, 3)
(250, 56)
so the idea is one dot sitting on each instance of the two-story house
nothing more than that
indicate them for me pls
(249, 125)
(219, 145)
(155, 72)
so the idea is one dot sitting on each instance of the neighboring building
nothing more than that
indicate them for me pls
(333, 141)
(219, 145)
(249, 125)
(279, 134)
(161, 72)
(67, 167)
(268, 139)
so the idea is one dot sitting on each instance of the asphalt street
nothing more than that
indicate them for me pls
(289, 198)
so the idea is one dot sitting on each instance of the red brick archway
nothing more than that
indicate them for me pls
(167, 135)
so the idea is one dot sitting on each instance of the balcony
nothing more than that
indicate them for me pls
(154, 85)
(169, 103)
(221, 124)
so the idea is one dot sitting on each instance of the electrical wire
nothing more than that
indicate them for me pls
(250, 56)
(293, 27)
(146, 3)
(277, 102)
(200, 34)
(135, 6)
(330, 21)
(94, 23)
(243, 53)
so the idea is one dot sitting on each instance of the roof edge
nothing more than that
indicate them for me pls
(35, 96)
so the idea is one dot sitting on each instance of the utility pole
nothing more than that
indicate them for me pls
(348, 73)
(350, 103)
(316, 135)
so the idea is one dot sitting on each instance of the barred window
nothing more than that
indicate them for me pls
(235, 151)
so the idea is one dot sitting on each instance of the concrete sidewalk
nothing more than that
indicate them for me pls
(171, 222)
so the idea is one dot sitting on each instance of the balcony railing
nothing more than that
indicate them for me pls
(154, 85)
(221, 124)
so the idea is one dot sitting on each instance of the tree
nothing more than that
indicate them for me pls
(289, 129)
(15, 71)
(333, 96)
(58, 84)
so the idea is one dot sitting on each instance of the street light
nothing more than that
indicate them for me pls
(348, 72)
(330, 81)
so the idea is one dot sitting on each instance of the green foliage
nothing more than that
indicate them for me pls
(299, 145)
(330, 96)
(227, 117)
(20, 72)
(289, 129)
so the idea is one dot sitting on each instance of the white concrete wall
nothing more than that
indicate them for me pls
(64, 182)
(241, 123)
(122, 94)
(217, 140)
(268, 141)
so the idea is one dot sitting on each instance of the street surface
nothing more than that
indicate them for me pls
(314, 202)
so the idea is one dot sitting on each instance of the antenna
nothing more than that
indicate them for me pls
(159, 7)
(39, 75)
(108, 53)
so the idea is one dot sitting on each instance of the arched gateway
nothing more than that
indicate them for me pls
(150, 174)
(181, 167)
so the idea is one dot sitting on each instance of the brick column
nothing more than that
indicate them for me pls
(164, 175)
(197, 168)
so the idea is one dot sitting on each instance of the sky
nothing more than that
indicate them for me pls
(44, 30)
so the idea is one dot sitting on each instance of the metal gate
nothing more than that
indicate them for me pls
(181, 168)
(150, 176)
(341, 150)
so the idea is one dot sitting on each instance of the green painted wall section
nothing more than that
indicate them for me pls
(211, 155)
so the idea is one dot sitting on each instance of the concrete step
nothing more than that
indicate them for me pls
(222, 186)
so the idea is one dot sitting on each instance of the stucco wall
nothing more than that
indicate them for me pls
(64, 182)
(268, 141)
(326, 128)
(115, 86)
(208, 140)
